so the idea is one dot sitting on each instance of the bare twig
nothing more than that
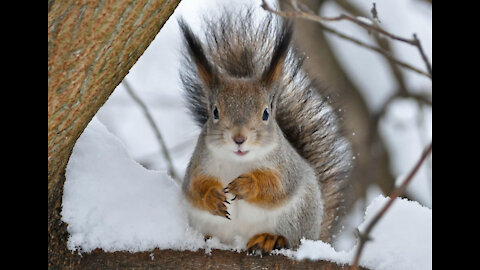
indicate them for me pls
(380, 41)
(163, 146)
(422, 53)
(364, 237)
(374, 13)
(306, 14)
(379, 50)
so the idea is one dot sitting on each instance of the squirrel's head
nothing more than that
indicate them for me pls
(239, 117)
(241, 124)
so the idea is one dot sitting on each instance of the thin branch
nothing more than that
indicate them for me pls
(364, 237)
(309, 15)
(380, 41)
(379, 50)
(163, 146)
(422, 53)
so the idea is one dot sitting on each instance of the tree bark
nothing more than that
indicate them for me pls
(91, 47)
(218, 259)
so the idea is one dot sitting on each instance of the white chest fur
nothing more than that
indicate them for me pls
(246, 219)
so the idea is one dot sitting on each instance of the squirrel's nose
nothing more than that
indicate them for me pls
(239, 139)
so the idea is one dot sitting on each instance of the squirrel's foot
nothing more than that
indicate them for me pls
(215, 200)
(264, 243)
(243, 187)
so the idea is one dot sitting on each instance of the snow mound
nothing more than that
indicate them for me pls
(113, 203)
(402, 239)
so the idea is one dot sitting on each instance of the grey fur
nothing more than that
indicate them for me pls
(304, 133)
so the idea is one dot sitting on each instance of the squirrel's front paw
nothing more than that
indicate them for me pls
(243, 187)
(214, 202)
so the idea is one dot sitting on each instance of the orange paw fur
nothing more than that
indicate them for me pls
(214, 201)
(243, 187)
(264, 243)
(207, 193)
(262, 187)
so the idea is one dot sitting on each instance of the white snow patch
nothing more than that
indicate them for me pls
(402, 239)
(113, 203)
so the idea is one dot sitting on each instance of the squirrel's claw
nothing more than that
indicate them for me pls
(226, 214)
(216, 202)
(223, 212)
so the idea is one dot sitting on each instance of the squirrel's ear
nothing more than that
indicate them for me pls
(205, 71)
(274, 71)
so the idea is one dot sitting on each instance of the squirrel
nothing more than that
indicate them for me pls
(271, 162)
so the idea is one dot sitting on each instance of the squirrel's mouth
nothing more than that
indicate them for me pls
(241, 153)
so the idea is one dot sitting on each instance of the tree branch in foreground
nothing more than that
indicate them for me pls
(218, 259)
(397, 192)
(156, 130)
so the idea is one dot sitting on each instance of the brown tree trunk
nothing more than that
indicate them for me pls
(91, 47)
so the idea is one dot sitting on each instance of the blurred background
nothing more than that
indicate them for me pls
(386, 108)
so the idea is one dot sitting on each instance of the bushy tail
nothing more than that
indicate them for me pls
(241, 45)
(312, 126)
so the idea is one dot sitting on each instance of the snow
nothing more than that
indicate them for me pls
(318, 250)
(402, 239)
(113, 203)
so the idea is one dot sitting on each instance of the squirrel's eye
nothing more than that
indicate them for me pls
(265, 115)
(215, 113)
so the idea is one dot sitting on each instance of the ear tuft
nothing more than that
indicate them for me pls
(206, 72)
(273, 72)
